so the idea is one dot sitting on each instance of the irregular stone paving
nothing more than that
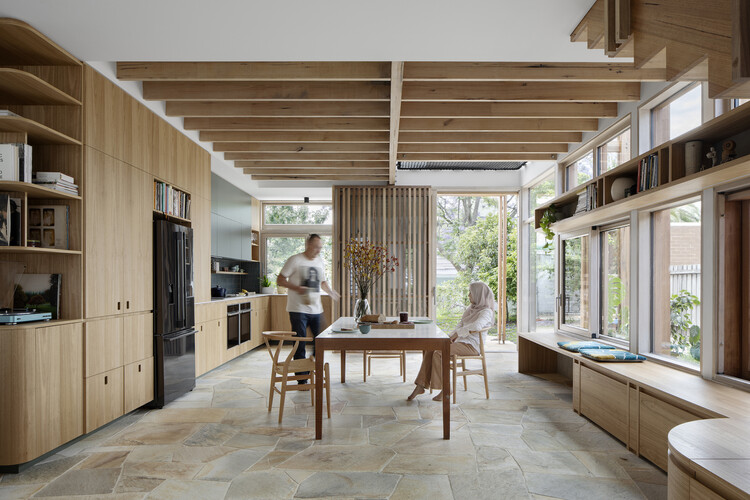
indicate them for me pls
(219, 441)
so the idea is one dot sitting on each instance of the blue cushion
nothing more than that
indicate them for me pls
(577, 345)
(613, 355)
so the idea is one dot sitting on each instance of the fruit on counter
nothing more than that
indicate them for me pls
(244, 292)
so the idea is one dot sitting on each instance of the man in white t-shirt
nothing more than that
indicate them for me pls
(304, 276)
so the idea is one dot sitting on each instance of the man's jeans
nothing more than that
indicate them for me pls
(300, 322)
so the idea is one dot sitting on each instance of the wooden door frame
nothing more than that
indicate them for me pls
(502, 247)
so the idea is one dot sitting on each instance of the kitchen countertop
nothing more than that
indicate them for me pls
(246, 297)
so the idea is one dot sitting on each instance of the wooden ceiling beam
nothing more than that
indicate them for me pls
(350, 165)
(498, 124)
(488, 137)
(266, 91)
(528, 71)
(483, 148)
(295, 136)
(294, 157)
(300, 109)
(252, 71)
(301, 149)
(475, 156)
(351, 124)
(509, 109)
(326, 178)
(316, 171)
(397, 83)
(522, 91)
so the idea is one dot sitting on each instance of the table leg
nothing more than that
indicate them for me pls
(343, 366)
(446, 390)
(319, 392)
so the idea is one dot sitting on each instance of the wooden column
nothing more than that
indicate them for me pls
(660, 279)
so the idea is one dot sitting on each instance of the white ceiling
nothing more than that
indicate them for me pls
(103, 31)
(310, 30)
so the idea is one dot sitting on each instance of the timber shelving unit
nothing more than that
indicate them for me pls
(672, 184)
(42, 85)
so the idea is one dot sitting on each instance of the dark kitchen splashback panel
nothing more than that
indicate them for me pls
(234, 282)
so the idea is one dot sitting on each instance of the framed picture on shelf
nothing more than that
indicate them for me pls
(48, 224)
(38, 291)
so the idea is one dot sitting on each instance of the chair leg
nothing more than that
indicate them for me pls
(327, 387)
(403, 364)
(271, 391)
(454, 366)
(364, 366)
(369, 366)
(312, 389)
(484, 374)
(463, 368)
(282, 396)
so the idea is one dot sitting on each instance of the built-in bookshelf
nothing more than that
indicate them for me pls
(41, 92)
(171, 201)
(255, 245)
(658, 174)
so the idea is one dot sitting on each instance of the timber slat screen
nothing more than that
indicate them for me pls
(402, 218)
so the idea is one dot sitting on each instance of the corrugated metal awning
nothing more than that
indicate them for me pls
(460, 165)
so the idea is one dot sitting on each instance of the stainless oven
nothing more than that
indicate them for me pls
(239, 318)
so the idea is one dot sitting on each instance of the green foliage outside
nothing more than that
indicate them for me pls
(685, 337)
(468, 239)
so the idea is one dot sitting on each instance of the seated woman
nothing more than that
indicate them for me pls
(480, 315)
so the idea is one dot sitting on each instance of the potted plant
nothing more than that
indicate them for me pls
(266, 285)
(545, 223)
(367, 262)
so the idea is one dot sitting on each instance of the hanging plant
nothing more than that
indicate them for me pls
(545, 223)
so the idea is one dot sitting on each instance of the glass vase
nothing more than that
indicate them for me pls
(361, 307)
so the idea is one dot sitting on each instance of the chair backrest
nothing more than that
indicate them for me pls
(281, 337)
(481, 333)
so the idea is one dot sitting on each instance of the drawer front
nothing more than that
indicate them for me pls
(137, 337)
(208, 311)
(103, 398)
(656, 418)
(139, 384)
(103, 345)
(605, 401)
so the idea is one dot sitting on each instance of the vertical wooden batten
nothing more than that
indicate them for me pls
(397, 83)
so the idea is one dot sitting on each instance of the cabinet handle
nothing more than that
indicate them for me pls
(105, 379)
(139, 368)
(118, 306)
(127, 305)
(219, 323)
(201, 327)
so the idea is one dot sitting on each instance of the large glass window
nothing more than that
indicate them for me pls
(580, 171)
(280, 248)
(575, 282)
(615, 282)
(677, 115)
(614, 152)
(279, 214)
(541, 193)
(676, 275)
(542, 266)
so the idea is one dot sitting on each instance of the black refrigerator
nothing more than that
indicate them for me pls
(174, 312)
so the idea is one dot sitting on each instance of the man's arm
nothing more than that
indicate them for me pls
(283, 282)
(330, 291)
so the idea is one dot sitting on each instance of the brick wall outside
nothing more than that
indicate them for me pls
(685, 240)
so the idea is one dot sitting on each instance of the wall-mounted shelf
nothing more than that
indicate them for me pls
(20, 87)
(171, 202)
(672, 179)
(38, 250)
(37, 133)
(34, 191)
(20, 45)
(229, 272)
(172, 218)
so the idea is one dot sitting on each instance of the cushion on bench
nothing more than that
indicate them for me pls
(614, 355)
(576, 345)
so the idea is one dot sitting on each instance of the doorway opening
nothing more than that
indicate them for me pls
(477, 237)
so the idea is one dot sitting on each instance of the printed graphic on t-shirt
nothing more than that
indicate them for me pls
(311, 277)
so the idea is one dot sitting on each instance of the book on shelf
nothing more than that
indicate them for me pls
(48, 224)
(587, 199)
(59, 185)
(648, 173)
(53, 177)
(171, 201)
(10, 220)
(15, 162)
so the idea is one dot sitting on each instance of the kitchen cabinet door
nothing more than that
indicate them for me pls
(137, 337)
(139, 384)
(201, 219)
(136, 223)
(104, 398)
(215, 223)
(103, 340)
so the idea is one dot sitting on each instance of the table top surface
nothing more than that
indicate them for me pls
(420, 331)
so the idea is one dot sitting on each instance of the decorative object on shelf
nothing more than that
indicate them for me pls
(367, 262)
(40, 292)
(49, 224)
(215, 266)
(545, 223)
(728, 151)
(266, 285)
(713, 156)
(4, 220)
(15, 162)
(620, 187)
(693, 157)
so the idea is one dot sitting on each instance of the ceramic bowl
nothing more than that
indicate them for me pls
(364, 328)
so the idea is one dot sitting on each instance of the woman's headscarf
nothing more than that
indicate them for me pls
(481, 298)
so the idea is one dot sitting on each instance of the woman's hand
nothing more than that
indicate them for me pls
(454, 336)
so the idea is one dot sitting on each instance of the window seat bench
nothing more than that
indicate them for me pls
(640, 403)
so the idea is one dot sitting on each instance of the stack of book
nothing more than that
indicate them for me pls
(15, 162)
(587, 199)
(171, 201)
(56, 180)
(648, 173)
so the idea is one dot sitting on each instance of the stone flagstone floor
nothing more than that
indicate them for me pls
(219, 441)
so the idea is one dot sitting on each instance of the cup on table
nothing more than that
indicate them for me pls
(364, 328)
(403, 317)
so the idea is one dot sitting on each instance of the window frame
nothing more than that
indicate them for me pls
(664, 104)
(560, 280)
(625, 344)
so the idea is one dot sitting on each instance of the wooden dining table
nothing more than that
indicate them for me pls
(423, 337)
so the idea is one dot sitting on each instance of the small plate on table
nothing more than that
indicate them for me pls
(421, 321)
(353, 330)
